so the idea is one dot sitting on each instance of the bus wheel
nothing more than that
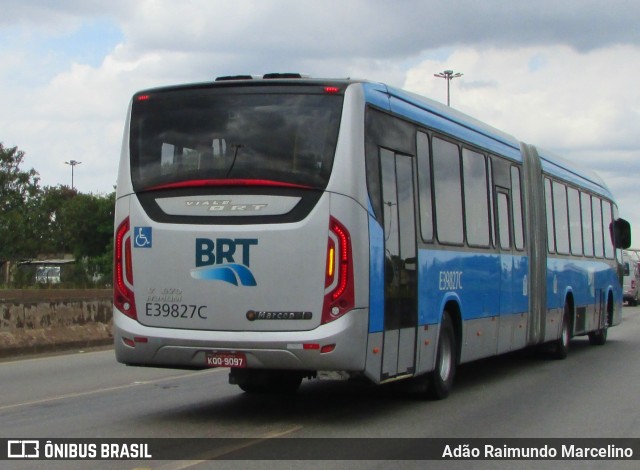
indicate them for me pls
(599, 337)
(561, 345)
(441, 378)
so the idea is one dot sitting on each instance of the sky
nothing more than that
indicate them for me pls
(562, 75)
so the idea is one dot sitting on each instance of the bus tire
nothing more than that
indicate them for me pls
(561, 345)
(598, 337)
(441, 378)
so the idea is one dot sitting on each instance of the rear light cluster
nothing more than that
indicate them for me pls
(123, 298)
(339, 292)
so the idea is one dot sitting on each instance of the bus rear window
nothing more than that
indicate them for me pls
(213, 134)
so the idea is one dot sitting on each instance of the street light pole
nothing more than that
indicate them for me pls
(448, 75)
(73, 163)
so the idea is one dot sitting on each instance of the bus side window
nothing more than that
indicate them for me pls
(607, 222)
(561, 217)
(551, 237)
(516, 203)
(587, 223)
(448, 192)
(424, 186)
(504, 222)
(598, 237)
(575, 222)
(476, 198)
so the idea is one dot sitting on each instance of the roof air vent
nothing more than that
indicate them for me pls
(234, 77)
(281, 75)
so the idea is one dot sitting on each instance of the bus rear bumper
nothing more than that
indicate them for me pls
(336, 346)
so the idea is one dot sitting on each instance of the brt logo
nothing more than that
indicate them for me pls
(224, 260)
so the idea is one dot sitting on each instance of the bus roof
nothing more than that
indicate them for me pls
(450, 121)
(572, 172)
(424, 111)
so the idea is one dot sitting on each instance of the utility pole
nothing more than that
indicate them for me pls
(448, 75)
(73, 163)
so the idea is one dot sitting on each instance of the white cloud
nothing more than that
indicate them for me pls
(582, 106)
(569, 100)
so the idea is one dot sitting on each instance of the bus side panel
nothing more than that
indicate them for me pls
(473, 277)
(491, 293)
(514, 303)
(588, 283)
(468, 280)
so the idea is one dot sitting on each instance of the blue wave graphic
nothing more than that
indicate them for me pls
(236, 274)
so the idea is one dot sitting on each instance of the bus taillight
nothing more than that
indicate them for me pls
(339, 295)
(123, 298)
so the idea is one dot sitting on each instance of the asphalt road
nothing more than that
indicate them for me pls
(595, 392)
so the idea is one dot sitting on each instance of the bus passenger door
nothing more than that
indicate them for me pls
(400, 264)
(503, 203)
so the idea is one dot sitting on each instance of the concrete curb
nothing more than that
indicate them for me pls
(46, 320)
(51, 348)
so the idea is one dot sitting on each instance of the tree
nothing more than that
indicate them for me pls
(18, 199)
(81, 224)
(54, 221)
(88, 222)
(51, 229)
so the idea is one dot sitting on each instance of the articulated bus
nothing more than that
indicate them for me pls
(290, 228)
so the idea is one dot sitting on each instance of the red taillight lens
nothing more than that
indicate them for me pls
(339, 292)
(123, 298)
(633, 283)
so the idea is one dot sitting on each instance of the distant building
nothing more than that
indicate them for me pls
(46, 271)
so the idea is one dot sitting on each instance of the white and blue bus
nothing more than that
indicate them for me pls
(292, 228)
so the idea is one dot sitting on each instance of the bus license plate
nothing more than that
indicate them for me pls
(236, 360)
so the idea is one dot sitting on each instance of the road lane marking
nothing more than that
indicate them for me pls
(56, 355)
(184, 464)
(103, 390)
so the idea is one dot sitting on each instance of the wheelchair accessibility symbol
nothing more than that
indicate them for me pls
(142, 237)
